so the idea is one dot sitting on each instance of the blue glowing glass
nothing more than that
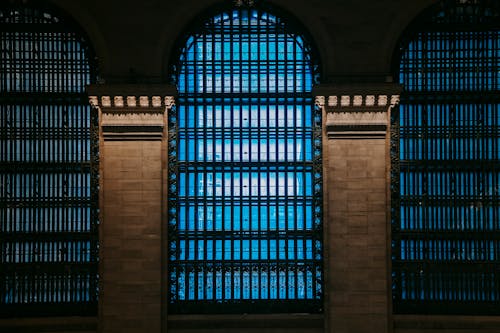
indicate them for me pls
(247, 220)
(48, 150)
(446, 223)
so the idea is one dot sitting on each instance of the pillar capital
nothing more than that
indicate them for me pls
(132, 111)
(357, 110)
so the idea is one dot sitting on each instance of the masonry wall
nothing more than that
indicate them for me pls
(130, 237)
(357, 225)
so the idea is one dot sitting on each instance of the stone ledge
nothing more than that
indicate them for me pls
(247, 321)
(476, 324)
(49, 324)
(357, 111)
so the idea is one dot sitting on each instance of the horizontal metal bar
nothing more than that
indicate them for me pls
(38, 236)
(12, 168)
(32, 98)
(245, 306)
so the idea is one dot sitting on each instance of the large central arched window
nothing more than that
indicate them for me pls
(245, 169)
(446, 186)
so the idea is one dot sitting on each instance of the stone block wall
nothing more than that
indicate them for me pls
(130, 237)
(357, 263)
(132, 122)
(356, 174)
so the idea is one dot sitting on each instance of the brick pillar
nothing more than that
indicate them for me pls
(356, 121)
(132, 122)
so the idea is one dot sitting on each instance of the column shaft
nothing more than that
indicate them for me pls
(132, 164)
(357, 239)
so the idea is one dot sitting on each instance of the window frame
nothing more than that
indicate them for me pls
(438, 18)
(256, 306)
(65, 267)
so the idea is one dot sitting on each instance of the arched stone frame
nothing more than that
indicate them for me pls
(93, 32)
(309, 25)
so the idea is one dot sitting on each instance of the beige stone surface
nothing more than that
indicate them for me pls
(130, 236)
(357, 240)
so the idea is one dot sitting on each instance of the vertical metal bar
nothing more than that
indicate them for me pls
(459, 177)
(249, 266)
(39, 164)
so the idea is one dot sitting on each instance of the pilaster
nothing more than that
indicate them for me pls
(133, 121)
(356, 122)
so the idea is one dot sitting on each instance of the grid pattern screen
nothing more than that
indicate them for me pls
(446, 184)
(48, 213)
(245, 152)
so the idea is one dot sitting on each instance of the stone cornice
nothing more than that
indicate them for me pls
(132, 112)
(357, 110)
(132, 103)
(128, 97)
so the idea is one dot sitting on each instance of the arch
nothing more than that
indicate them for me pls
(171, 54)
(445, 199)
(245, 159)
(49, 164)
(83, 21)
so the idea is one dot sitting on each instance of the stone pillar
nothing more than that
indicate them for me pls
(356, 122)
(132, 148)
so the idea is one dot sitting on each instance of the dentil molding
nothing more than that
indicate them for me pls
(132, 112)
(357, 111)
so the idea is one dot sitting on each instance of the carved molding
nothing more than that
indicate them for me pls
(357, 118)
(240, 3)
(117, 118)
(125, 104)
(320, 101)
(129, 112)
(357, 103)
(357, 111)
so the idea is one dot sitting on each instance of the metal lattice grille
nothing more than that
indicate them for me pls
(245, 214)
(446, 183)
(48, 205)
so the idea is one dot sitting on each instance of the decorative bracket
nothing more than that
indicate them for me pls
(129, 112)
(248, 3)
(357, 111)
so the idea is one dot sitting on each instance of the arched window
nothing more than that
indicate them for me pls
(48, 207)
(245, 199)
(446, 182)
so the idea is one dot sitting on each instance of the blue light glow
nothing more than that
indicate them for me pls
(246, 220)
(446, 240)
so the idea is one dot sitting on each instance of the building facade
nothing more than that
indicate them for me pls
(234, 166)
